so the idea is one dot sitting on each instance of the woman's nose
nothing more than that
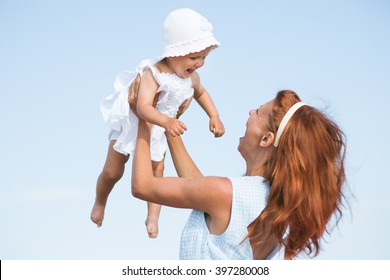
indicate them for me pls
(251, 112)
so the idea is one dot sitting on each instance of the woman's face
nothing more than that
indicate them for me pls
(256, 127)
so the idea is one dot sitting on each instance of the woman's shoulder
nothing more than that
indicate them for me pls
(249, 180)
(255, 188)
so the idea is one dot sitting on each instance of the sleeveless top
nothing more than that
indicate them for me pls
(250, 194)
(172, 92)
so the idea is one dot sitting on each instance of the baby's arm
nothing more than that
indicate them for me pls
(147, 92)
(205, 101)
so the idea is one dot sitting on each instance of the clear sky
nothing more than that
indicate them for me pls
(58, 60)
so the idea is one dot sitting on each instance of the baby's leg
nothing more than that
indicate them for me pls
(154, 209)
(112, 172)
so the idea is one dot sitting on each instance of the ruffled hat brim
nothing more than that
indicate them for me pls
(191, 46)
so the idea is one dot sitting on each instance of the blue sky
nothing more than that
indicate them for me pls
(58, 59)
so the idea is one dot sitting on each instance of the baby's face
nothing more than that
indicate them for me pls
(184, 66)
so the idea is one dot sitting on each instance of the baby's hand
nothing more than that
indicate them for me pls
(216, 127)
(174, 127)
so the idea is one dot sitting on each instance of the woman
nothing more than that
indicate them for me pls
(292, 187)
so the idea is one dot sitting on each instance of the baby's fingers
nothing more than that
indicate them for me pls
(219, 131)
(183, 127)
(178, 129)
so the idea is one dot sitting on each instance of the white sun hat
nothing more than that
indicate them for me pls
(186, 31)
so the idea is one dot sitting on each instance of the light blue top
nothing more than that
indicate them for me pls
(250, 194)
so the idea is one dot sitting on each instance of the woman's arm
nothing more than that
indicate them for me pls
(210, 194)
(184, 165)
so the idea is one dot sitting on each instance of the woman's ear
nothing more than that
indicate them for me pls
(267, 139)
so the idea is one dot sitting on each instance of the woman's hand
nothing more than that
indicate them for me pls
(172, 126)
(184, 106)
(133, 94)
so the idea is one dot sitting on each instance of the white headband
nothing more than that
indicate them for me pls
(285, 120)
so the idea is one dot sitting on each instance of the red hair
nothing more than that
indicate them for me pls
(306, 176)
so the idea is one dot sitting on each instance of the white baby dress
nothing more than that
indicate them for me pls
(172, 92)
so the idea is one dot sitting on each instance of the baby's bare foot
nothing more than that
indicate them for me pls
(97, 214)
(152, 227)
